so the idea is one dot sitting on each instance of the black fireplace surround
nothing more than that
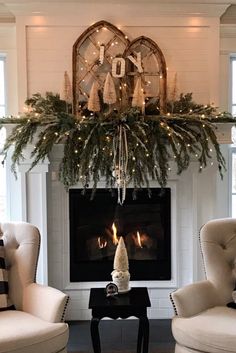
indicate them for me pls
(96, 225)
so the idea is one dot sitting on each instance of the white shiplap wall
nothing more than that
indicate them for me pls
(190, 44)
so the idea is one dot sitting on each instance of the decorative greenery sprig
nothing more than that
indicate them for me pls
(90, 141)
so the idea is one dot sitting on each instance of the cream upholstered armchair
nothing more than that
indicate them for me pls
(203, 322)
(36, 326)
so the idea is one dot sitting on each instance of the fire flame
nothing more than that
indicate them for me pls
(101, 244)
(115, 238)
(139, 240)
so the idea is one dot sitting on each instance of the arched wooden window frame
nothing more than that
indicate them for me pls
(76, 48)
(129, 48)
(160, 73)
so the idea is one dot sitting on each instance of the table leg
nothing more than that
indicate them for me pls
(140, 337)
(143, 335)
(95, 335)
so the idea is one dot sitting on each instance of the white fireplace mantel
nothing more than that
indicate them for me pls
(37, 196)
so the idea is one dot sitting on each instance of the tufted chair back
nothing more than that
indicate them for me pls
(21, 242)
(218, 244)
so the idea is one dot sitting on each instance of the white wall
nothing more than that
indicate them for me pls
(190, 44)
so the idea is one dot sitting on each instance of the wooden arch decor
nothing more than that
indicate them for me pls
(154, 75)
(104, 48)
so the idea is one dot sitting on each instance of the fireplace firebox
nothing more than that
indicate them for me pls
(96, 225)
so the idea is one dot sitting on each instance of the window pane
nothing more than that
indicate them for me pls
(2, 137)
(233, 206)
(234, 110)
(3, 198)
(2, 83)
(2, 111)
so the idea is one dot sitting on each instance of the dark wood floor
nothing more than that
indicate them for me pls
(120, 336)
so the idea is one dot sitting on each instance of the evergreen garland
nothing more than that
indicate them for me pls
(187, 131)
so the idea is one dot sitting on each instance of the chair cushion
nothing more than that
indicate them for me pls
(5, 303)
(213, 330)
(24, 333)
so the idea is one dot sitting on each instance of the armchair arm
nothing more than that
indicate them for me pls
(194, 298)
(45, 302)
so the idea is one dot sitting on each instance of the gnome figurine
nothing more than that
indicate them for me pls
(121, 275)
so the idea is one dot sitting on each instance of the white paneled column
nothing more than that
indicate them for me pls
(34, 205)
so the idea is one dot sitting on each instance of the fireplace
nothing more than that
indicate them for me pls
(96, 225)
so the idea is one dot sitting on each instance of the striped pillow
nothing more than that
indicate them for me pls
(5, 303)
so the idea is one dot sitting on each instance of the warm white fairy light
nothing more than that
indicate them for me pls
(76, 151)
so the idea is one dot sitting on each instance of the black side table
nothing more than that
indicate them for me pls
(133, 303)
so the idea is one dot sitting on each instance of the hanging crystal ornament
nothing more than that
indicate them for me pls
(120, 162)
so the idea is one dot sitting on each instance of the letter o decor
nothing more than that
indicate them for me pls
(103, 48)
